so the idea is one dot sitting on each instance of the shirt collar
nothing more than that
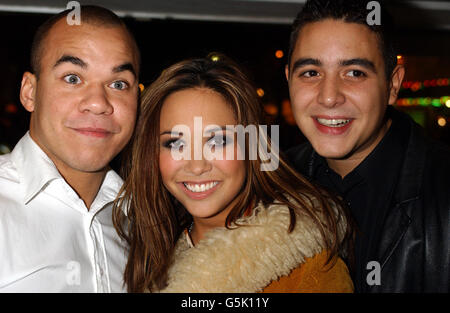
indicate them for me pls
(34, 167)
(108, 190)
(36, 171)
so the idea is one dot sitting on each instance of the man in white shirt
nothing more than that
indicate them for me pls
(56, 189)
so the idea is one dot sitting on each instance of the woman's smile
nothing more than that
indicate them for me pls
(199, 190)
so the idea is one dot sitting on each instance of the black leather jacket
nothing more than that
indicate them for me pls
(414, 249)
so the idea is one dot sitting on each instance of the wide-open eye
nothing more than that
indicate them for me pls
(72, 79)
(119, 85)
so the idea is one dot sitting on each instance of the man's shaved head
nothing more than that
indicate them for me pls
(90, 14)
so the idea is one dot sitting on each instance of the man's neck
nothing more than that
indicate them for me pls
(345, 165)
(86, 185)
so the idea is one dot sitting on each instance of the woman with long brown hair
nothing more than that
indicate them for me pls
(205, 212)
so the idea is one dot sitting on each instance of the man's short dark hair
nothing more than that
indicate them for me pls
(349, 11)
(90, 14)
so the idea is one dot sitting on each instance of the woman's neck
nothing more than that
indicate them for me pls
(201, 226)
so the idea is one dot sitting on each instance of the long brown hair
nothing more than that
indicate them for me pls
(155, 218)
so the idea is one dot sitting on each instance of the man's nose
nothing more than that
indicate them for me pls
(330, 94)
(96, 101)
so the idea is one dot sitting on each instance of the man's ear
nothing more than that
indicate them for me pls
(396, 82)
(286, 72)
(28, 91)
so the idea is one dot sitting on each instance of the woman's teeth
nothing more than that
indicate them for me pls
(200, 187)
(333, 122)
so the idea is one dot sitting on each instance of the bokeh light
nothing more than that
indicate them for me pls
(441, 121)
(279, 54)
(260, 92)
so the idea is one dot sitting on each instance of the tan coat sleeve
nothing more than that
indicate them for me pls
(314, 276)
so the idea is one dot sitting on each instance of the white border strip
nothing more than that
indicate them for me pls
(30, 9)
(208, 17)
(157, 15)
(431, 5)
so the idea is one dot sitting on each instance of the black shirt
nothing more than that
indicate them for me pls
(368, 191)
(413, 244)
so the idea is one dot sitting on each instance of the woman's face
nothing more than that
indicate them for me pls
(207, 186)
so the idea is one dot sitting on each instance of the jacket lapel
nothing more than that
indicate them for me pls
(406, 193)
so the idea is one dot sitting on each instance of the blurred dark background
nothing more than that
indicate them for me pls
(253, 33)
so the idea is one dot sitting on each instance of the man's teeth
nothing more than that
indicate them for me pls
(333, 122)
(200, 187)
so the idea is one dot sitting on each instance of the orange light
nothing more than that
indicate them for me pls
(271, 109)
(416, 86)
(260, 92)
(141, 87)
(279, 54)
(286, 112)
(441, 121)
(11, 108)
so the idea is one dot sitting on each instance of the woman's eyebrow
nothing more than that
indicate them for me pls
(169, 132)
(215, 129)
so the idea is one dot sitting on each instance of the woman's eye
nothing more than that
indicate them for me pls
(218, 141)
(120, 85)
(174, 144)
(72, 79)
(356, 73)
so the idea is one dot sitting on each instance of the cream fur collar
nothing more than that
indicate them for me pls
(247, 258)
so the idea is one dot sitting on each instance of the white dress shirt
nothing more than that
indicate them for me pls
(49, 240)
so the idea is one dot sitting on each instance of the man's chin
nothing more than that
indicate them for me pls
(91, 166)
(332, 152)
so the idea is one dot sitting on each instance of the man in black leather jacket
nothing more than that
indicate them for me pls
(342, 77)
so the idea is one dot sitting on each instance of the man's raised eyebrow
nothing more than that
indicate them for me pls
(304, 62)
(361, 62)
(70, 59)
(125, 67)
